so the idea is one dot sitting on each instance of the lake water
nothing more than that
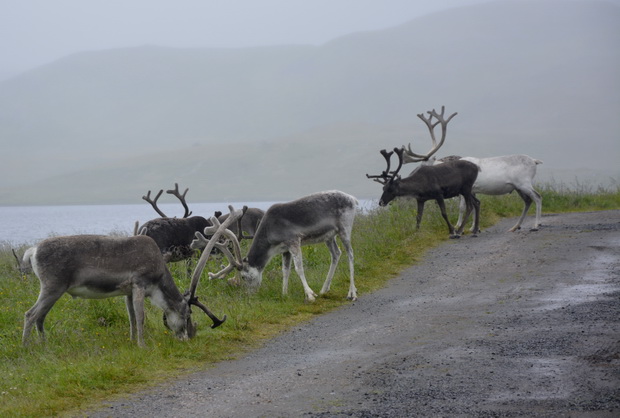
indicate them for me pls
(30, 224)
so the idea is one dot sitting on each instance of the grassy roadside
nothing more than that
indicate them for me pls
(88, 356)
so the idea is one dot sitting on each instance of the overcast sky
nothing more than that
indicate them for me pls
(35, 32)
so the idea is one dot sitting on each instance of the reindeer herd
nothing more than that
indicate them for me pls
(95, 267)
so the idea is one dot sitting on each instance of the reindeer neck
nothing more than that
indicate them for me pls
(260, 254)
(166, 291)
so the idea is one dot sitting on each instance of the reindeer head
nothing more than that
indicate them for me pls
(389, 179)
(251, 276)
(180, 321)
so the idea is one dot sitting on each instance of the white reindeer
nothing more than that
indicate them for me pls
(502, 175)
(284, 229)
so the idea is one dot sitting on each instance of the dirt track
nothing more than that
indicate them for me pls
(521, 324)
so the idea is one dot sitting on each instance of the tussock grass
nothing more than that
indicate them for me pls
(88, 355)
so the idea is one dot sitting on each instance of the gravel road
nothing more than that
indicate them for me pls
(503, 325)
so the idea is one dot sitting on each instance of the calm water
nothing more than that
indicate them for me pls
(30, 224)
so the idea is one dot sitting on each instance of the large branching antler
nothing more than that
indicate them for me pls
(412, 157)
(154, 202)
(384, 176)
(234, 257)
(181, 197)
(216, 231)
(399, 152)
(175, 193)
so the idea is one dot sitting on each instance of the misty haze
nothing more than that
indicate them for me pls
(269, 123)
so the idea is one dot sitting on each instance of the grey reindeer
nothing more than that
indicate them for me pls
(285, 228)
(97, 267)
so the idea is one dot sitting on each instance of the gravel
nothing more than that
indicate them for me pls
(503, 325)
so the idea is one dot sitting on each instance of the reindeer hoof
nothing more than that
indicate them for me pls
(455, 236)
(217, 322)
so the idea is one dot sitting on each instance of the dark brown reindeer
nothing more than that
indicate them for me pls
(97, 267)
(428, 182)
(172, 235)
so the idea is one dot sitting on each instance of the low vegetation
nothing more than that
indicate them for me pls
(88, 356)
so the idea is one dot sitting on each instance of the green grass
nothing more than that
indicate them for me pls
(88, 356)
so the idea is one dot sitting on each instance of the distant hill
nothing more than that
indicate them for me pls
(537, 77)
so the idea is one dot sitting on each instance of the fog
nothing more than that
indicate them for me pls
(101, 101)
(36, 32)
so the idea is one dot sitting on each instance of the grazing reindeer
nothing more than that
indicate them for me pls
(97, 267)
(173, 235)
(432, 182)
(249, 222)
(286, 227)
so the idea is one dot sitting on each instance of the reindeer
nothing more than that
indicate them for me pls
(428, 182)
(503, 175)
(172, 235)
(249, 222)
(285, 228)
(97, 267)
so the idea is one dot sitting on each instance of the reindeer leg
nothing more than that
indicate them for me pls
(469, 206)
(418, 217)
(38, 312)
(462, 208)
(528, 202)
(335, 253)
(286, 271)
(137, 297)
(346, 242)
(442, 208)
(295, 250)
(476, 226)
(537, 198)
(132, 317)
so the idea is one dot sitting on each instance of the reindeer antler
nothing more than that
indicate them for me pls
(154, 202)
(175, 193)
(181, 197)
(234, 259)
(412, 157)
(384, 176)
(216, 231)
(399, 152)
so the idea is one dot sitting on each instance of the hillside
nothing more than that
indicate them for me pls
(537, 77)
